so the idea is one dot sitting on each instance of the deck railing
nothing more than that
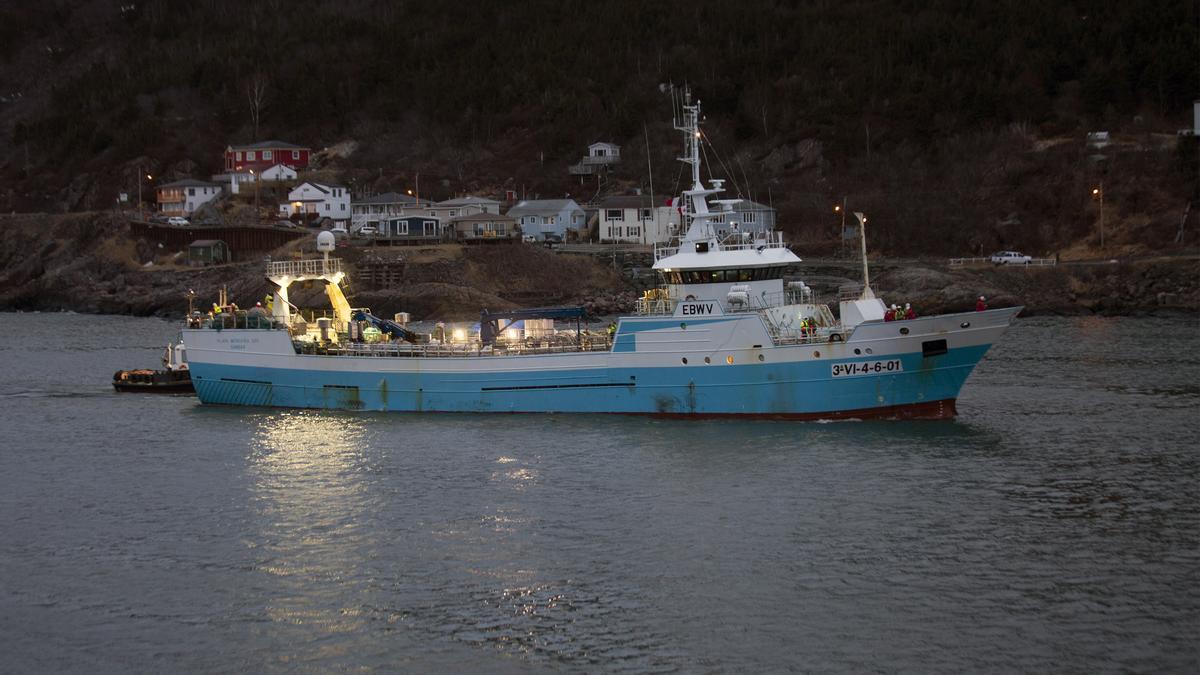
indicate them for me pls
(1036, 262)
(773, 240)
(304, 268)
(594, 343)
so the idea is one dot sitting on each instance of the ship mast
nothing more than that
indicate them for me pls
(867, 293)
(689, 124)
(698, 216)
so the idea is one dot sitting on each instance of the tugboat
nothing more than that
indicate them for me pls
(174, 378)
(723, 336)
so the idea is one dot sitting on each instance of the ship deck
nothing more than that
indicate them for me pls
(451, 350)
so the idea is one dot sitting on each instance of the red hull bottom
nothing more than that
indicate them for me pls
(929, 410)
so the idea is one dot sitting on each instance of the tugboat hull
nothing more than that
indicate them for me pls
(156, 381)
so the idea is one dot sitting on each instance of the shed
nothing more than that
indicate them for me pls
(207, 252)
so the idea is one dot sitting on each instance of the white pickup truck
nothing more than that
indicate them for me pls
(1011, 258)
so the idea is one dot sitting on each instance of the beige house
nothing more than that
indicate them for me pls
(484, 227)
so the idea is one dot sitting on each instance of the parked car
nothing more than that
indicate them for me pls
(177, 220)
(1011, 258)
(367, 231)
(528, 238)
(550, 240)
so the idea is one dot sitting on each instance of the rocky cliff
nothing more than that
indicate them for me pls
(90, 263)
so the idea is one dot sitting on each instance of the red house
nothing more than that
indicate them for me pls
(264, 155)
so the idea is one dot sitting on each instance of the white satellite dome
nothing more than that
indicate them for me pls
(325, 241)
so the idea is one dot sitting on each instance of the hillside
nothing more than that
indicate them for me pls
(88, 262)
(959, 128)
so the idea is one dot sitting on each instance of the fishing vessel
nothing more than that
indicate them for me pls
(723, 335)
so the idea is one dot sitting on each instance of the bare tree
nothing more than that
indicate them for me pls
(256, 93)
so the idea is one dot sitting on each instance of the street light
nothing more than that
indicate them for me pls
(141, 212)
(841, 208)
(1098, 193)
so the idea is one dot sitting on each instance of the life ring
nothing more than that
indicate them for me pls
(689, 298)
(835, 337)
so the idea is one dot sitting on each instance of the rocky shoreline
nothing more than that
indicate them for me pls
(89, 263)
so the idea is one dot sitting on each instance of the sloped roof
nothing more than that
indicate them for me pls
(464, 201)
(188, 182)
(484, 218)
(323, 187)
(541, 206)
(749, 205)
(269, 145)
(206, 242)
(633, 202)
(388, 198)
(414, 217)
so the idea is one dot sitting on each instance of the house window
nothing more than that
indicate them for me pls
(646, 214)
(748, 217)
(239, 156)
(266, 154)
(326, 206)
(635, 231)
(250, 156)
(432, 213)
(614, 214)
(453, 213)
(191, 192)
(295, 154)
(402, 227)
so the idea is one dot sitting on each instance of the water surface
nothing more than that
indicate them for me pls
(1054, 525)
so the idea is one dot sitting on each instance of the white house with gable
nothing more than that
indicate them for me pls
(235, 179)
(326, 201)
(540, 217)
(279, 172)
(637, 219)
(183, 197)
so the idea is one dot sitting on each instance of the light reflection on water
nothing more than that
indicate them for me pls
(1053, 526)
(303, 469)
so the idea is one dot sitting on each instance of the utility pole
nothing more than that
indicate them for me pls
(254, 176)
(841, 208)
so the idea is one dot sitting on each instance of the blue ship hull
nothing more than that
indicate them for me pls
(926, 387)
(722, 366)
